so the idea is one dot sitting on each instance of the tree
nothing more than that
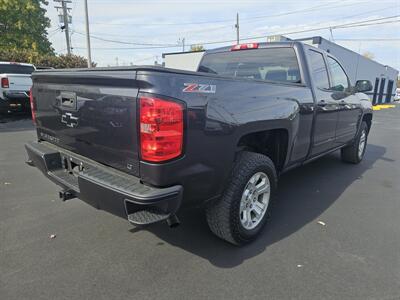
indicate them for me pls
(44, 60)
(23, 25)
(196, 48)
(368, 55)
(63, 61)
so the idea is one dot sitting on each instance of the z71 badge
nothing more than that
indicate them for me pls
(199, 88)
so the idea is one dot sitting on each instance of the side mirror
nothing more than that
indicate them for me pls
(363, 86)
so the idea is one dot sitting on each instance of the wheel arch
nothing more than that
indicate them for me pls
(272, 142)
(367, 117)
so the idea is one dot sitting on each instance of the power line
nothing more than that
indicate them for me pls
(306, 10)
(251, 19)
(343, 26)
(221, 27)
(124, 42)
(361, 25)
(358, 14)
(378, 19)
(370, 39)
(163, 45)
(248, 19)
(54, 32)
(209, 22)
(347, 25)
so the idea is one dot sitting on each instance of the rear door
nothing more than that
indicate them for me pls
(350, 108)
(327, 109)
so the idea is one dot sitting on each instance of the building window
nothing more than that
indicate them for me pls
(375, 90)
(389, 91)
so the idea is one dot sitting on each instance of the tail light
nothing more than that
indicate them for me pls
(161, 129)
(245, 46)
(5, 83)
(33, 106)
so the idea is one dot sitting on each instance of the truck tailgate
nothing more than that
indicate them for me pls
(90, 113)
(19, 82)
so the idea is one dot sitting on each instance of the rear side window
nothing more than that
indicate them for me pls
(16, 69)
(318, 70)
(272, 64)
(339, 78)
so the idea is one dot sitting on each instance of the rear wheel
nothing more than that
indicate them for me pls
(241, 213)
(354, 153)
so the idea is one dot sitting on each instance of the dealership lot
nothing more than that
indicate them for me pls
(334, 234)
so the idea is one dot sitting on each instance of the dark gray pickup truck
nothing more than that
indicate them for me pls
(145, 142)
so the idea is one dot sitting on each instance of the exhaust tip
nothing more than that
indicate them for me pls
(173, 221)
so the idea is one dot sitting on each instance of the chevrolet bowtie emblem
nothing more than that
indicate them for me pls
(69, 120)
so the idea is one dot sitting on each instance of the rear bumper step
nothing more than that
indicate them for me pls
(147, 216)
(103, 187)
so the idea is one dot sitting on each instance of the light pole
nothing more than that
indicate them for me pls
(89, 54)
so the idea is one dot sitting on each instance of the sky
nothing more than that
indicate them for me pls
(125, 32)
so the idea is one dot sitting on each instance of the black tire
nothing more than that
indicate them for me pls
(350, 154)
(223, 215)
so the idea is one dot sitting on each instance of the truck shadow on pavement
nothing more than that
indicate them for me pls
(303, 195)
(16, 122)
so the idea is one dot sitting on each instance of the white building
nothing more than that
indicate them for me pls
(188, 61)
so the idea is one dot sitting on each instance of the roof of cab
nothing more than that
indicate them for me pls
(15, 63)
(260, 46)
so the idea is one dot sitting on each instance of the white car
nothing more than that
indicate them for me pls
(15, 83)
(397, 96)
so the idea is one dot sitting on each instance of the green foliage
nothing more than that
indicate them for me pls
(368, 55)
(57, 62)
(63, 61)
(23, 25)
(197, 48)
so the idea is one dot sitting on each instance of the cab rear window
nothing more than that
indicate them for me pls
(271, 64)
(16, 69)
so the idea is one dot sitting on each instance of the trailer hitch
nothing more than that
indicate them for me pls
(66, 195)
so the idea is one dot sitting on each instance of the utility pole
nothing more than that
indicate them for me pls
(89, 53)
(237, 28)
(332, 39)
(66, 21)
(182, 41)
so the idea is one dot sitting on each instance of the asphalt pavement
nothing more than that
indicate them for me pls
(334, 233)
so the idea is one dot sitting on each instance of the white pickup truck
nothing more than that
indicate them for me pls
(15, 84)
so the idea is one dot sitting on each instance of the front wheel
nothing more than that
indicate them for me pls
(241, 213)
(354, 153)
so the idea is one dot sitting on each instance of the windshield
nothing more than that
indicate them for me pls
(16, 69)
(271, 64)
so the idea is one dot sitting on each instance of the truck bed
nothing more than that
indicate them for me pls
(93, 112)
